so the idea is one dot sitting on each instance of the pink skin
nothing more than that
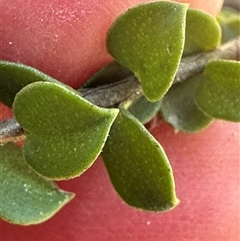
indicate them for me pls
(65, 39)
(206, 168)
(206, 165)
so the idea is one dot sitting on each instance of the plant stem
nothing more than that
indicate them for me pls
(11, 131)
(194, 65)
(112, 94)
(233, 4)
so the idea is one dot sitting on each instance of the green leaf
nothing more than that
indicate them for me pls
(229, 20)
(66, 133)
(14, 76)
(138, 167)
(143, 109)
(179, 108)
(202, 32)
(219, 94)
(148, 39)
(26, 198)
(110, 73)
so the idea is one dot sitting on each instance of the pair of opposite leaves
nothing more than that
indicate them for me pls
(64, 133)
(67, 142)
(194, 104)
(179, 104)
(215, 99)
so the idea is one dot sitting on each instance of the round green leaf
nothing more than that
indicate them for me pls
(202, 32)
(179, 108)
(218, 95)
(138, 166)
(66, 133)
(14, 76)
(148, 39)
(26, 197)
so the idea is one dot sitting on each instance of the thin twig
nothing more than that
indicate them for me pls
(110, 95)
(113, 94)
(233, 4)
(194, 65)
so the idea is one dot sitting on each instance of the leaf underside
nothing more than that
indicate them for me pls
(179, 108)
(143, 109)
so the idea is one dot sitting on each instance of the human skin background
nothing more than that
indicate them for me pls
(66, 40)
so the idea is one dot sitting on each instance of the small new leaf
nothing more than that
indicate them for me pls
(202, 32)
(26, 198)
(218, 95)
(138, 167)
(65, 132)
(148, 39)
